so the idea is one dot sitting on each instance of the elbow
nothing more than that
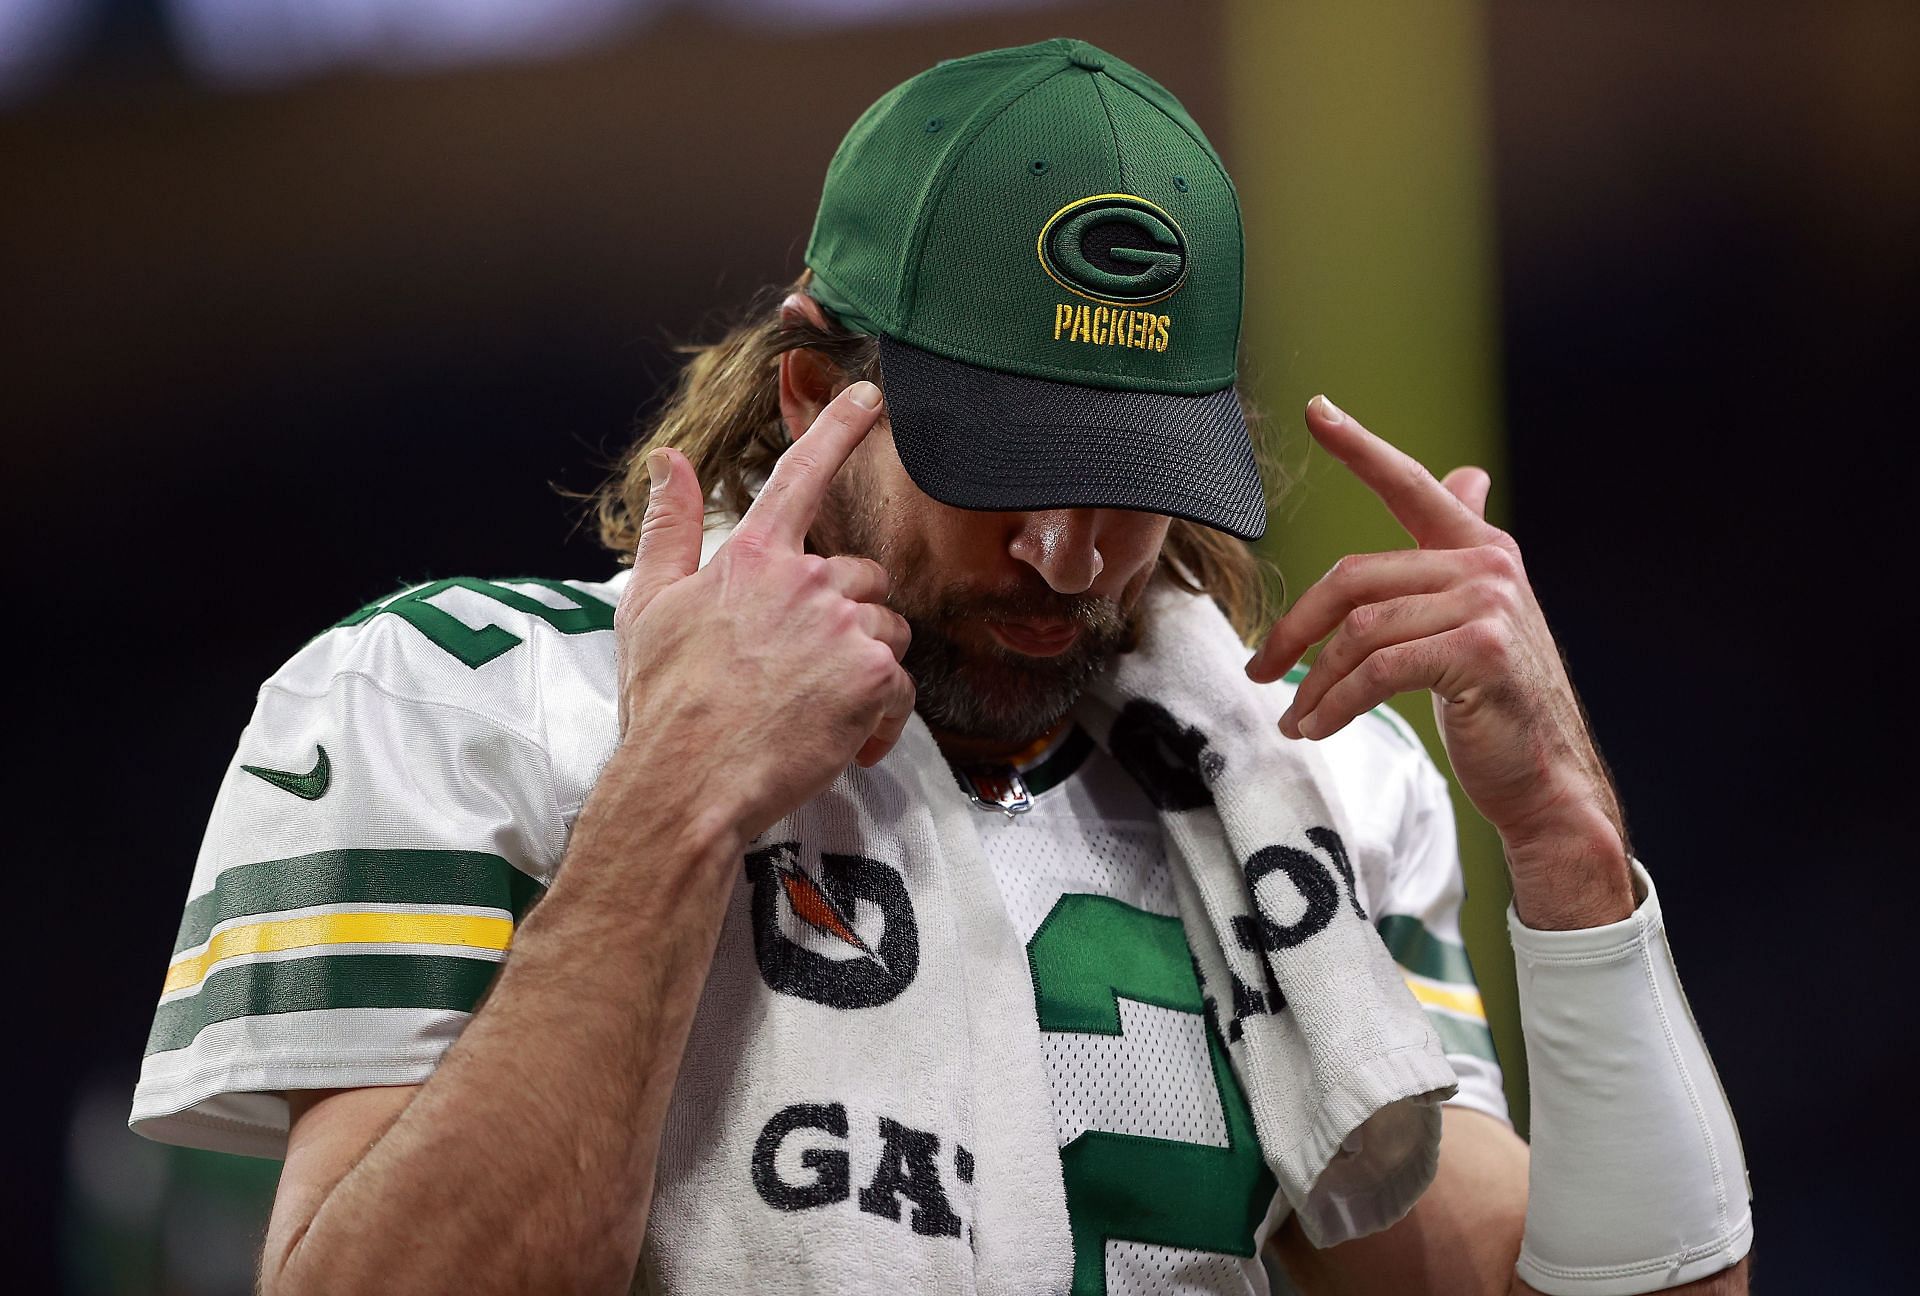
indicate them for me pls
(277, 1258)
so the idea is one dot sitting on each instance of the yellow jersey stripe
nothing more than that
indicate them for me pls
(340, 929)
(1464, 1001)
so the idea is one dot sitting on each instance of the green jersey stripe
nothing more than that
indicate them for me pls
(1459, 1036)
(1418, 950)
(436, 877)
(329, 981)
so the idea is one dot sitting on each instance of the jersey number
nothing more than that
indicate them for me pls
(1091, 952)
(478, 647)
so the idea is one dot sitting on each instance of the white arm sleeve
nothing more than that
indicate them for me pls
(1638, 1181)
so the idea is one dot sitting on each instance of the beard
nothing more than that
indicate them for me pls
(968, 684)
(982, 689)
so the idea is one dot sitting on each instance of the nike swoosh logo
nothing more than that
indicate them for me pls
(310, 786)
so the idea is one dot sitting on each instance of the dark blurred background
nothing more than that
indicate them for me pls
(303, 300)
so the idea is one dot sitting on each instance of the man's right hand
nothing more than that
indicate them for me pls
(757, 678)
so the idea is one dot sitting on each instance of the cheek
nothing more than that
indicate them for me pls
(889, 496)
(936, 542)
(1137, 550)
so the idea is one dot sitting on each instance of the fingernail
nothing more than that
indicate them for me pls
(659, 468)
(1329, 411)
(865, 395)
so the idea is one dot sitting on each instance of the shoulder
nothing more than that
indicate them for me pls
(451, 686)
(502, 649)
(454, 718)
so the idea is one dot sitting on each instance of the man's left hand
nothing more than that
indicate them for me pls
(1455, 615)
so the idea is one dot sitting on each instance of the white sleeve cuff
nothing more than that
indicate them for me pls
(1638, 1180)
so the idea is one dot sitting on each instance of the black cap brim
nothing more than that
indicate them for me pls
(980, 439)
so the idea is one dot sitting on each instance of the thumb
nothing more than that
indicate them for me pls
(670, 531)
(1470, 485)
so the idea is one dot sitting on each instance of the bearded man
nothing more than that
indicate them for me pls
(933, 892)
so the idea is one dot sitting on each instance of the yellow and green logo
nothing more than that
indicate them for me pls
(1114, 248)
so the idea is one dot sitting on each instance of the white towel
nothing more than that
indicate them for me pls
(863, 1107)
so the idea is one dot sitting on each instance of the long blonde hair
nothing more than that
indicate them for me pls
(724, 416)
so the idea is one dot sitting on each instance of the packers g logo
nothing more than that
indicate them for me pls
(1114, 248)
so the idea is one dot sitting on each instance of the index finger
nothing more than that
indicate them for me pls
(786, 505)
(1432, 514)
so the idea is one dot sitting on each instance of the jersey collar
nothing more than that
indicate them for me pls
(1011, 787)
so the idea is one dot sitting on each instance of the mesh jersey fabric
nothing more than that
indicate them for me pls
(1092, 832)
(344, 941)
(1096, 834)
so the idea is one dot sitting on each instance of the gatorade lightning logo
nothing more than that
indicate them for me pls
(851, 971)
(1114, 248)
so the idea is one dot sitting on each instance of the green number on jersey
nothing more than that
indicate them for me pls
(1091, 952)
(478, 647)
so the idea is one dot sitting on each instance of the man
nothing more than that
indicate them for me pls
(791, 1012)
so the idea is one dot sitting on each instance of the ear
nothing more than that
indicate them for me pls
(807, 379)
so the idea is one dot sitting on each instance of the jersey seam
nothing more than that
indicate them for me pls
(557, 829)
(492, 722)
(197, 1076)
(379, 686)
(1702, 1126)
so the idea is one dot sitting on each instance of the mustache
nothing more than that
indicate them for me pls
(1089, 610)
(1102, 618)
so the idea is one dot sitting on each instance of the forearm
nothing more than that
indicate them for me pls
(1635, 1181)
(527, 1159)
(1462, 1236)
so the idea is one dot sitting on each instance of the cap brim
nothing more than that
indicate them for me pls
(979, 439)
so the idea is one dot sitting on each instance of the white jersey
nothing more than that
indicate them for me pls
(407, 785)
(1087, 884)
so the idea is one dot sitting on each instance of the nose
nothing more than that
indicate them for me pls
(1063, 545)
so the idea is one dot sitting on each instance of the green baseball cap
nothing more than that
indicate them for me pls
(1049, 252)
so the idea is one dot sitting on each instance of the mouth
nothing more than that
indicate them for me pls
(1036, 638)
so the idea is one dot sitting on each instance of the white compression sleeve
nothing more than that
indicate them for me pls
(1638, 1182)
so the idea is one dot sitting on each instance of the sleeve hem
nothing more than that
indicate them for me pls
(203, 1112)
(1486, 1106)
(1604, 943)
(1691, 1265)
